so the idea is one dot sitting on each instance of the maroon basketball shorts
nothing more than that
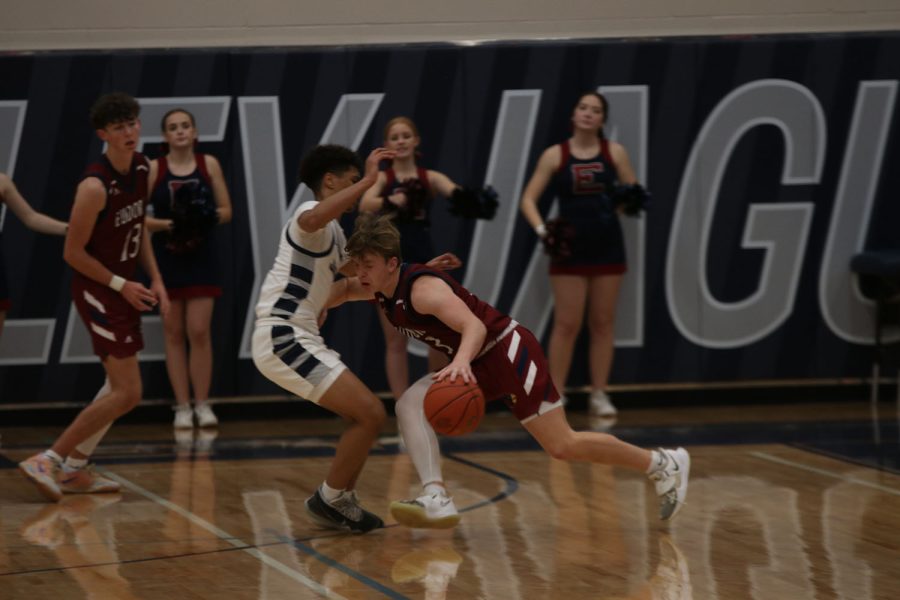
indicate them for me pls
(516, 369)
(113, 324)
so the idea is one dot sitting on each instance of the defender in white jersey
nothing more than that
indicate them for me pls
(287, 347)
(295, 291)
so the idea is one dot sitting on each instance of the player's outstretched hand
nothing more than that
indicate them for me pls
(445, 262)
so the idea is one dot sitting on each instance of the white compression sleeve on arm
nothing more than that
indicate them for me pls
(421, 441)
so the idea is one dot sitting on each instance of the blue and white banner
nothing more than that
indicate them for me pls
(771, 161)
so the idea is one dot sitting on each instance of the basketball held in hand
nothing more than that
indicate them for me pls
(454, 408)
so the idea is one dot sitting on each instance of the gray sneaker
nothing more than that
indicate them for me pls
(672, 482)
(344, 512)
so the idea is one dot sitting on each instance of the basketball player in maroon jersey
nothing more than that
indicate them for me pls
(491, 349)
(105, 243)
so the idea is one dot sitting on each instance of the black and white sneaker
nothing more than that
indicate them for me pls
(343, 513)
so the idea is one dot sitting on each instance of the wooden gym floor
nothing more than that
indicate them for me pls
(786, 502)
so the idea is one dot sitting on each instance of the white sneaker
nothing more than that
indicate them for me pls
(672, 481)
(600, 405)
(43, 471)
(184, 417)
(205, 416)
(431, 511)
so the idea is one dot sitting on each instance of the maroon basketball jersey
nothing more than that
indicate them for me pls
(427, 328)
(116, 239)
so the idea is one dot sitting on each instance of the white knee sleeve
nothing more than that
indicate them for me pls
(420, 439)
(88, 446)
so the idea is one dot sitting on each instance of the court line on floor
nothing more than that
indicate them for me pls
(335, 564)
(512, 485)
(224, 535)
(824, 472)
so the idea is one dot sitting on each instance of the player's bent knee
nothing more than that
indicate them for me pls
(558, 450)
(407, 405)
(372, 414)
(131, 399)
(561, 448)
(124, 401)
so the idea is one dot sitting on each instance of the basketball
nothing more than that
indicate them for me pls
(454, 408)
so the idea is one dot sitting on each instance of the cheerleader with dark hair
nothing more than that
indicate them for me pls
(585, 243)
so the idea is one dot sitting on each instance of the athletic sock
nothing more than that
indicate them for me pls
(329, 494)
(53, 455)
(658, 460)
(73, 464)
(434, 488)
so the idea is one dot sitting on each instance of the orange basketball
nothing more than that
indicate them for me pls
(454, 408)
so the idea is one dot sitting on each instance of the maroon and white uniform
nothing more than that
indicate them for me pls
(511, 363)
(114, 325)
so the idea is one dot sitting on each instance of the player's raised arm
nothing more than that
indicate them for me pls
(331, 206)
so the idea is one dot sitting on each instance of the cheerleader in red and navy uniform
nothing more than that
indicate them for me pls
(584, 169)
(33, 220)
(186, 254)
(407, 192)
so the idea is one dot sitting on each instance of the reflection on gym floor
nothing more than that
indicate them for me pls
(796, 503)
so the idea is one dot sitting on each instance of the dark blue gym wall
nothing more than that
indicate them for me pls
(455, 94)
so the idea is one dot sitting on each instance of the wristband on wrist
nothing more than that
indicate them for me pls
(541, 230)
(117, 283)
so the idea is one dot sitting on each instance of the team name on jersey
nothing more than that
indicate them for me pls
(129, 213)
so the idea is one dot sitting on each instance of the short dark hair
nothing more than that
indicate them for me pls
(115, 107)
(327, 158)
(374, 234)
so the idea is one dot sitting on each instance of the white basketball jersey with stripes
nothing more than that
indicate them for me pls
(299, 282)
